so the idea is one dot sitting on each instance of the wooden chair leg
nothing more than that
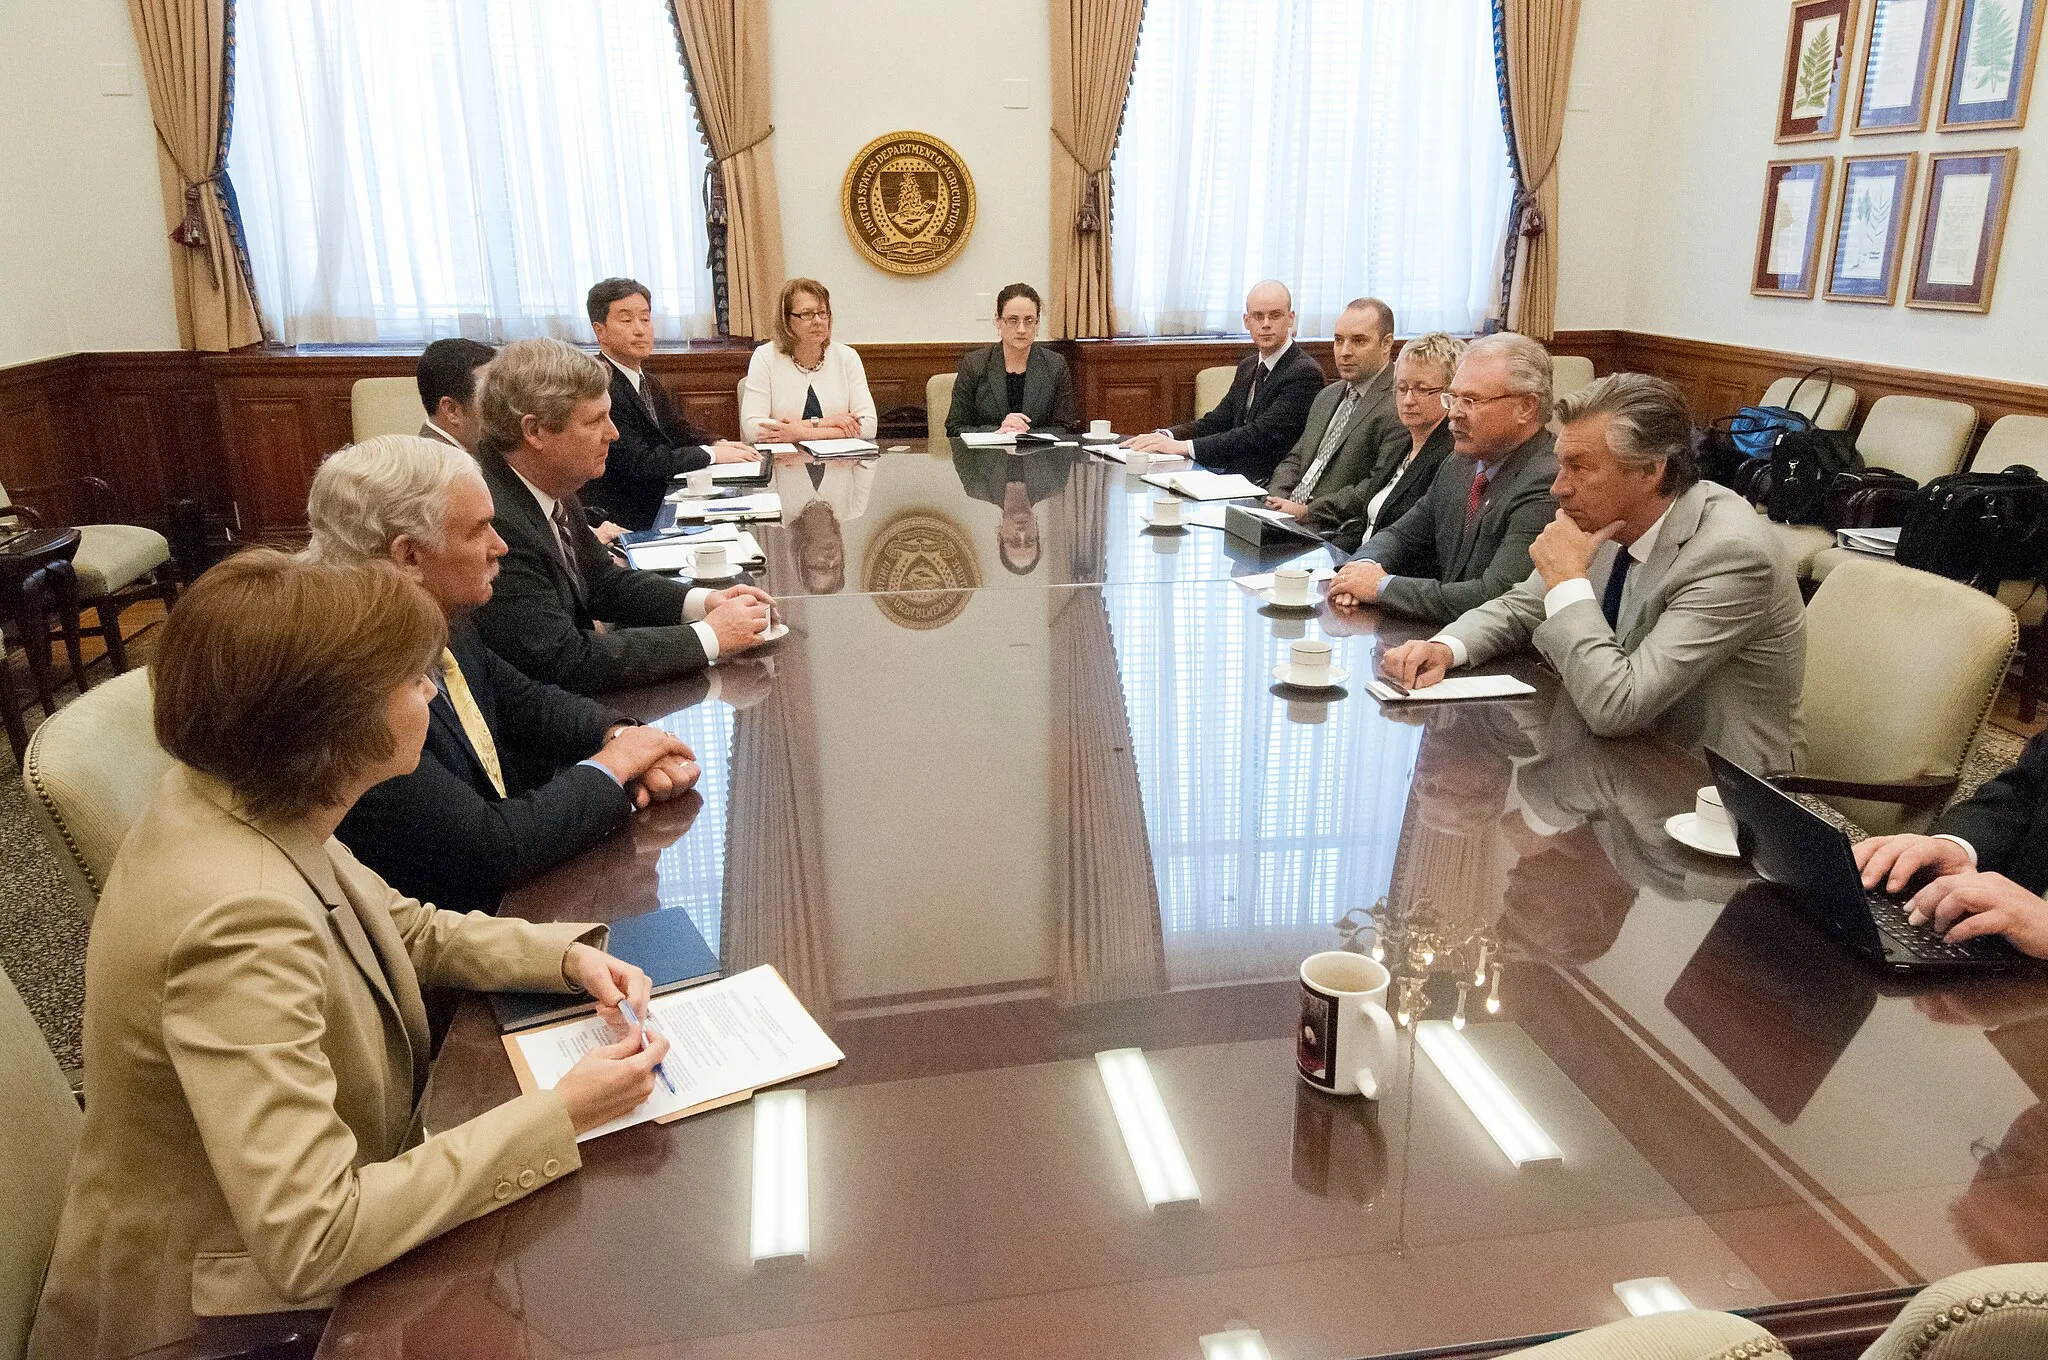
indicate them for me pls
(33, 625)
(10, 713)
(108, 611)
(64, 594)
(2034, 672)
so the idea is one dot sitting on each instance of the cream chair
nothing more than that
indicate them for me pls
(1695, 1335)
(1834, 413)
(384, 406)
(1923, 437)
(117, 565)
(1212, 385)
(1991, 1313)
(1901, 669)
(90, 770)
(1569, 373)
(2022, 441)
(37, 1140)
(938, 400)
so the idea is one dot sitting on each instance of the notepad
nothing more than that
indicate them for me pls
(840, 448)
(1203, 516)
(774, 448)
(728, 1039)
(735, 472)
(760, 505)
(1201, 485)
(664, 944)
(1453, 687)
(995, 439)
(1264, 581)
(679, 554)
(1117, 453)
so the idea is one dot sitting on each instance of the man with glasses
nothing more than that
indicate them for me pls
(1467, 540)
(1263, 414)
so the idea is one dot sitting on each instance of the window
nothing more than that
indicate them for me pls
(1345, 147)
(413, 169)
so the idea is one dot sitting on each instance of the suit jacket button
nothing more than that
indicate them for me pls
(503, 1190)
(527, 1178)
(553, 1166)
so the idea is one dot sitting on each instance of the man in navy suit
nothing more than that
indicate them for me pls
(516, 776)
(1262, 416)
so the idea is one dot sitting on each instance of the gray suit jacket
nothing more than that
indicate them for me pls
(1374, 435)
(1439, 570)
(1711, 647)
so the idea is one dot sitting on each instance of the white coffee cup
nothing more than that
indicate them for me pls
(1099, 428)
(1310, 659)
(1166, 512)
(700, 482)
(708, 559)
(1710, 819)
(1308, 712)
(1346, 1038)
(1290, 585)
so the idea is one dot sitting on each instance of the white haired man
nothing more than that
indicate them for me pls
(515, 775)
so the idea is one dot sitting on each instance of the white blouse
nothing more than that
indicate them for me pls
(776, 387)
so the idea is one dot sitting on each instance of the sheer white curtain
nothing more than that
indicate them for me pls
(1345, 147)
(413, 169)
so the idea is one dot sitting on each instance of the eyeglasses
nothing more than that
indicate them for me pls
(1458, 401)
(817, 314)
(1022, 323)
(1410, 390)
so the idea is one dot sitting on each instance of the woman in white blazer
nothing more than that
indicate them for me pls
(800, 385)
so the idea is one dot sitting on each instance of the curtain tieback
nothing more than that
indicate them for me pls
(191, 229)
(1088, 219)
(743, 150)
(716, 212)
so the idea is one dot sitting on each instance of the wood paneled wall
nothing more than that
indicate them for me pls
(243, 432)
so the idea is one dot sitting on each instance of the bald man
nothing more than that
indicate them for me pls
(1263, 415)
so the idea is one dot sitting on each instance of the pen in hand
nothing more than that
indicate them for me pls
(660, 1069)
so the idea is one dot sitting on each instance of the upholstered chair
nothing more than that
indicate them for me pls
(384, 406)
(938, 401)
(90, 770)
(1835, 413)
(1665, 1336)
(1569, 373)
(1991, 1313)
(1212, 385)
(37, 1139)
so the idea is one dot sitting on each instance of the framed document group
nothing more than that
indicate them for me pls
(1886, 78)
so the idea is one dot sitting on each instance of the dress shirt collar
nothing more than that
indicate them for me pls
(444, 434)
(632, 374)
(1272, 361)
(1641, 549)
(547, 502)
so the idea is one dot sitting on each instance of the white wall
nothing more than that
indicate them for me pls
(845, 74)
(1686, 166)
(88, 266)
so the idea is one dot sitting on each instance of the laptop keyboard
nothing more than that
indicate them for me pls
(1920, 941)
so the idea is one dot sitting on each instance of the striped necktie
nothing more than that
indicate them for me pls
(1332, 437)
(472, 718)
(565, 539)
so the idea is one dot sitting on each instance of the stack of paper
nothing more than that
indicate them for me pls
(1264, 581)
(995, 439)
(1201, 485)
(1453, 687)
(840, 448)
(679, 554)
(774, 448)
(727, 1040)
(735, 472)
(1117, 453)
(760, 505)
(1882, 542)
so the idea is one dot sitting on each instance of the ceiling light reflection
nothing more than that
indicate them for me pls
(1653, 1294)
(1243, 1344)
(1163, 1171)
(1519, 1136)
(782, 1176)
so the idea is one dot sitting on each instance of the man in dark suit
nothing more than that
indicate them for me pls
(448, 374)
(656, 442)
(1352, 428)
(546, 429)
(515, 776)
(1467, 541)
(1263, 414)
(1988, 855)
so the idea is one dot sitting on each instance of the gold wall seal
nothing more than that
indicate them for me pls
(921, 570)
(908, 202)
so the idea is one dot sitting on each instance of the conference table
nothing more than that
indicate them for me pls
(1019, 789)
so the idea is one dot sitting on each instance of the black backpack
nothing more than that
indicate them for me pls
(1804, 466)
(1979, 527)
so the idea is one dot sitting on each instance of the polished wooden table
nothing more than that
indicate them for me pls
(989, 822)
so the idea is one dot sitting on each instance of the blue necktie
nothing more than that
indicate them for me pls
(1610, 599)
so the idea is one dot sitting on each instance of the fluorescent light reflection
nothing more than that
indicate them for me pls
(1242, 1344)
(782, 1176)
(1655, 1294)
(1519, 1136)
(1163, 1171)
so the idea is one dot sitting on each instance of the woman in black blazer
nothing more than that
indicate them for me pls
(1421, 375)
(1014, 384)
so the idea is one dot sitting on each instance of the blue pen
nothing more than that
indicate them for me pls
(660, 1069)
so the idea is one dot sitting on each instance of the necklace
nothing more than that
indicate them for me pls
(801, 367)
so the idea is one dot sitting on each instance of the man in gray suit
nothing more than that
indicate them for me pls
(1468, 539)
(1352, 429)
(1657, 597)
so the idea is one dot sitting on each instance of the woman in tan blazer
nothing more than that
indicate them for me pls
(255, 1043)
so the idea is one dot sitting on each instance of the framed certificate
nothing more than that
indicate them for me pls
(1898, 66)
(1788, 238)
(1870, 228)
(1962, 224)
(1816, 59)
(1991, 64)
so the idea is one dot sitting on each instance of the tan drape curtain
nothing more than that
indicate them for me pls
(1540, 36)
(184, 61)
(1093, 45)
(727, 44)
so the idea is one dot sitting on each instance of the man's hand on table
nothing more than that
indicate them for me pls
(1418, 664)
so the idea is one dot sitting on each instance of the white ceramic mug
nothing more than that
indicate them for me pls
(709, 559)
(1711, 818)
(1166, 512)
(700, 482)
(1290, 585)
(1099, 428)
(1310, 659)
(1346, 1040)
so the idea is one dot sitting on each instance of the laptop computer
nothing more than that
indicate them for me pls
(1800, 851)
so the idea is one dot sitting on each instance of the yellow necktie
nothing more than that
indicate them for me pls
(473, 725)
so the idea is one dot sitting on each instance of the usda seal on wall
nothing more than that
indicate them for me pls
(908, 202)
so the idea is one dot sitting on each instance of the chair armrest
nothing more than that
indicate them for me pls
(100, 492)
(24, 513)
(1923, 791)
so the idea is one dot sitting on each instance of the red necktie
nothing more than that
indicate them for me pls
(1475, 495)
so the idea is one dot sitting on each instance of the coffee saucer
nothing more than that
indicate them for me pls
(1285, 673)
(776, 632)
(1100, 438)
(1685, 829)
(1308, 606)
(1174, 529)
(731, 572)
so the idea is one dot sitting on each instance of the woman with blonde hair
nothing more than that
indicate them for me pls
(1421, 375)
(800, 385)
